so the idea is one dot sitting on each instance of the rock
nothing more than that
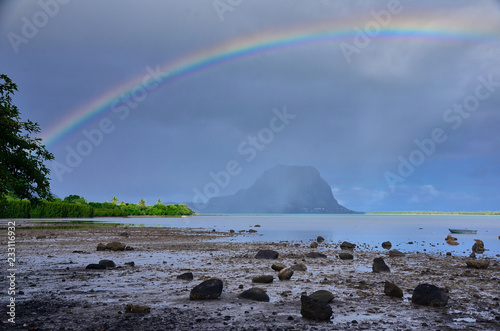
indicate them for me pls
(477, 264)
(322, 295)
(346, 256)
(478, 246)
(472, 255)
(130, 264)
(314, 245)
(429, 295)
(395, 253)
(257, 225)
(314, 309)
(285, 274)
(266, 254)
(347, 245)
(320, 239)
(448, 253)
(208, 290)
(107, 263)
(128, 248)
(392, 290)
(379, 265)
(137, 309)
(101, 247)
(387, 245)
(95, 266)
(299, 267)
(278, 266)
(252, 231)
(450, 240)
(186, 276)
(124, 234)
(316, 255)
(116, 246)
(264, 279)
(256, 294)
(231, 231)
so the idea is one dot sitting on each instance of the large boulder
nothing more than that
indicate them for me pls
(314, 309)
(256, 294)
(278, 266)
(285, 274)
(395, 253)
(322, 295)
(95, 266)
(429, 295)
(316, 255)
(208, 290)
(186, 276)
(299, 267)
(379, 265)
(116, 246)
(477, 264)
(264, 279)
(347, 245)
(107, 263)
(266, 254)
(392, 290)
(386, 245)
(478, 246)
(346, 256)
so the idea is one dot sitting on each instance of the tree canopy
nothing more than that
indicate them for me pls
(22, 156)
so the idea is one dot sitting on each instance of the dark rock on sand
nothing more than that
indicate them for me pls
(429, 295)
(266, 254)
(452, 241)
(314, 309)
(322, 295)
(285, 274)
(299, 267)
(116, 246)
(314, 245)
(124, 234)
(208, 290)
(477, 264)
(316, 255)
(255, 294)
(320, 239)
(379, 265)
(134, 309)
(347, 245)
(101, 247)
(478, 246)
(395, 253)
(387, 245)
(278, 266)
(186, 276)
(346, 256)
(264, 279)
(392, 290)
(107, 263)
(130, 264)
(95, 266)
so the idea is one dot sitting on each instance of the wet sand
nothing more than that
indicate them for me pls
(56, 292)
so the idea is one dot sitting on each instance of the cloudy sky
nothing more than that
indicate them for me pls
(397, 104)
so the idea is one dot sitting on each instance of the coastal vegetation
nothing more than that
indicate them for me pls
(433, 213)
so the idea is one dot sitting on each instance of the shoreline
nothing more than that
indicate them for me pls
(58, 292)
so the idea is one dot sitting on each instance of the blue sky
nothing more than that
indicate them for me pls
(404, 124)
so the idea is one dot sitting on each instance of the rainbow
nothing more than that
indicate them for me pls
(406, 31)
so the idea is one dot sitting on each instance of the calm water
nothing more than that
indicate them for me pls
(425, 231)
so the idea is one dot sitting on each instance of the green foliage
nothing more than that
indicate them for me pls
(16, 208)
(75, 199)
(22, 157)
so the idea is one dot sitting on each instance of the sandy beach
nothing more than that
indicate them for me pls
(55, 291)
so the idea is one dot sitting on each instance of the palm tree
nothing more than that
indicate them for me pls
(142, 202)
(114, 200)
(158, 202)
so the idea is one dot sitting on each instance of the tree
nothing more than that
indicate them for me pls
(22, 169)
(158, 202)
(142, 202)
(114, 200)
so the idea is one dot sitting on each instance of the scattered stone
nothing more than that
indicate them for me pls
(252, 231)
(395, 253)
(128, 248)
(478, 246)
(186, 276)
(346, 256)
(231, 231)
(387, 245)
(429, 295)
(448, 253)
(316, 255)
(107, 263)
(124, 234)
(478, 264)
(131, 263)
(133, 309)
(264, 279)
(256, 294)
(450, 240)
(116, 246)
(278, 266)
(379, 265)
(41, 237)
(347, 245)
(101, 247)
(320, 239)
(208, 290)
(257, 225)
(314, 244)
(299, 267)
(323, 296)
(392, 290)
(285, 274)
(314, 309)
(95, 266)
(266, 254)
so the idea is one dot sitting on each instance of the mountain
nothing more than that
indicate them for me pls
(284, 190)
